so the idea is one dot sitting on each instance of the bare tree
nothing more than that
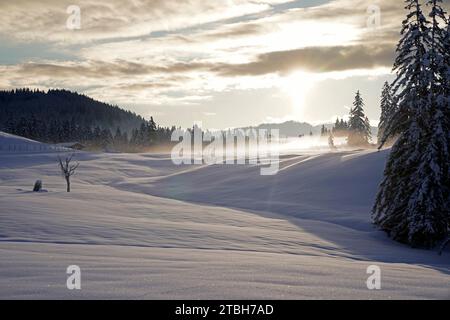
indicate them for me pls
(68, 169)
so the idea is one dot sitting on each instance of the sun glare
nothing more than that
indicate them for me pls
(297, 86)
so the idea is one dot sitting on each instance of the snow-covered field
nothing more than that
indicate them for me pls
(141, 228)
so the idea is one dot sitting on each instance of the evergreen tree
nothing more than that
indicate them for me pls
(106, 138)
(142, 136)
(410, 86)
(340, 128)
(97, 135)
(118, 135)
(446, 65)
(134, 140)
(387, 109)
(151, 131)
(125, 139)
(412, 204)
(368, 129)
(66, 134)
(359, 127)
(337, 125)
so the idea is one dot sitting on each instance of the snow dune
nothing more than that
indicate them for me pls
(141, 228)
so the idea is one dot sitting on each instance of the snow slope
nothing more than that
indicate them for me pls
(142, 228)
(12, 143)
(10, 139)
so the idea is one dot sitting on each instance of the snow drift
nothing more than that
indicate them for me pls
(140, 227)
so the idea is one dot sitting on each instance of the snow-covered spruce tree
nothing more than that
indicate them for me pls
(392, 199)
(387, 109)
(446, 67)
(412, 203)
(368, 128)
(359, 127)
(430, 202)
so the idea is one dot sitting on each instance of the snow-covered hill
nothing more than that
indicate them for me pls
(10, 139)
(140, 227)
(14, 144)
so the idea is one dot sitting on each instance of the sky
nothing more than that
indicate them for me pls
(225, 63)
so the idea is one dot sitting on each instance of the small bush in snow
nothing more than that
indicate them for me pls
(37, 186)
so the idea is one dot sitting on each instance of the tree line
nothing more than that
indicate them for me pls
(60, 116)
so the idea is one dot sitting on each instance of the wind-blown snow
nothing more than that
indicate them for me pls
(140, 227)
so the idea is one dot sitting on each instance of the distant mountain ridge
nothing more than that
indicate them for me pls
(294, 129)
(288, 128)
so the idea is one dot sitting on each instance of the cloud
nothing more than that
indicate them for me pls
(187, 52)
(101, 70)
(314, 59)
(45, 20)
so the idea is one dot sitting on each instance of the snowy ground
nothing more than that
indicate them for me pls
(141, 228)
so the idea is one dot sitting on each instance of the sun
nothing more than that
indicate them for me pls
(297, 85)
